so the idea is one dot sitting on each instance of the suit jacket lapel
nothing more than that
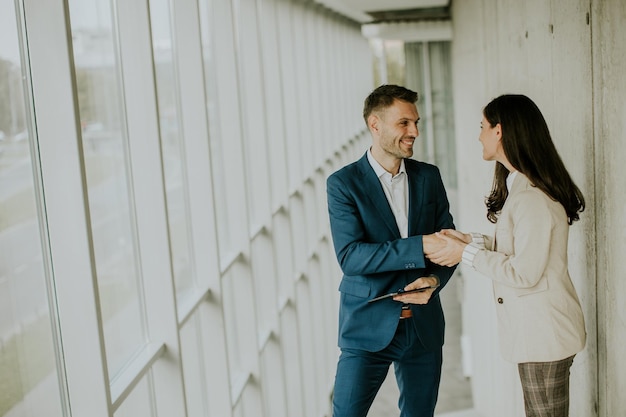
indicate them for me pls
(377, 196)
(416, 191)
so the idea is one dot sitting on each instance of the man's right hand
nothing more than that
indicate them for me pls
(432, 243)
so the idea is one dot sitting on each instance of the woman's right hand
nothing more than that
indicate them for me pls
(464, 237)
(452, 252)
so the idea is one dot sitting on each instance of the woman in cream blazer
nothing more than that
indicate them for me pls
(539, 315)
(533, 202)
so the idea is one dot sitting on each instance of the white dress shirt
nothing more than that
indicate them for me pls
(396, 188)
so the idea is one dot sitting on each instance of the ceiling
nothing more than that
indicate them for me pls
(374, 11)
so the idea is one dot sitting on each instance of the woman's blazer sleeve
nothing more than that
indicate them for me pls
(523, 236)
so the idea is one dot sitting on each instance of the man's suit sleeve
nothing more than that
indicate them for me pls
(355, 254)
(444, 221)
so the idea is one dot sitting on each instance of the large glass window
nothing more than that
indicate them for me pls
(29, 382)
(104, 137)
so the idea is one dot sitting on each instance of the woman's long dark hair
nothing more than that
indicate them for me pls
(528, 146)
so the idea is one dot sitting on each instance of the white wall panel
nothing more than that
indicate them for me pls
(571, 125)
(292, 358)
(265, 284)
(609, 117)
(273, 379)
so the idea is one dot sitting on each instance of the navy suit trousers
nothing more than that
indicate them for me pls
(360, 375)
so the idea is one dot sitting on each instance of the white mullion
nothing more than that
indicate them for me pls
(272, 57)
(210, 327)
(65, 195)
(301, 75)
(231, 140)
(286, 51)
(188, 307)
(124, 384)
(149, 201)
(305, 141)
(344, 88)
(428, 104)
(318, 100)
(197, 156)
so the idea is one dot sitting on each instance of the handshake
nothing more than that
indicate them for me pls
(445, 247)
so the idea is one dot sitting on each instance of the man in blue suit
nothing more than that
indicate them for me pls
(384, 210)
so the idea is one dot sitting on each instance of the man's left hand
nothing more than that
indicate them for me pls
(421, 297)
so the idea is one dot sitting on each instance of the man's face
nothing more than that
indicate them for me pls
(396, 129)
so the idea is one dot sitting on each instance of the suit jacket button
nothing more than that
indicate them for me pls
(500, 300)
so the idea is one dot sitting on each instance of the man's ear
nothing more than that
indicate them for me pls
(372, 123)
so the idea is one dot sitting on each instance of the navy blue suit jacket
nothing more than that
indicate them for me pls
(374, 258)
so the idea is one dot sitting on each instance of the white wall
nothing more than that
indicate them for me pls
(568, 57)
(609, 118)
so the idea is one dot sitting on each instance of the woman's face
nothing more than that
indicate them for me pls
(490, 138)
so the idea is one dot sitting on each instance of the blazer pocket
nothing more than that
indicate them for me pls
(355, 288)
(541, 286)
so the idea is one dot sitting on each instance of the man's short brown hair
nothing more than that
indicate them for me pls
(383, 97)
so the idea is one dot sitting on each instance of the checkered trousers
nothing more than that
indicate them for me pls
(546, 387)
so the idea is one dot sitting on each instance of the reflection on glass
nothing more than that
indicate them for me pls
(28, 372)
(104, 144)
(172, 145)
